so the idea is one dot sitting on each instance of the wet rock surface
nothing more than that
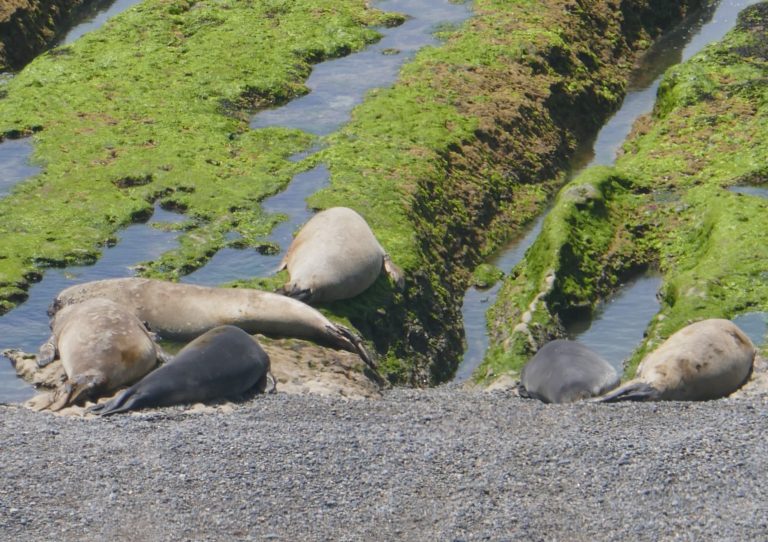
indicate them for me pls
(438, 464)
(28, 26)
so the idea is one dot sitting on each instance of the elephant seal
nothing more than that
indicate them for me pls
(335, 256)
(702, 361)
(181, 312)
(102, 346)
(223, 362)
(565, 371)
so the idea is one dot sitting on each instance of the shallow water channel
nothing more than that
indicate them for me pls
(15, 154)
(617, 327)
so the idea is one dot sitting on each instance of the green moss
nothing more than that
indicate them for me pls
(445, 165)
(486, 275)
(708, 131)
(155, 106)
(465, 149)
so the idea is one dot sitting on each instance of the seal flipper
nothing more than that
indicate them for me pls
(631, 391)
(47, 352)
(122, 403)
(351, 342)
(75, 389)
(291, 290)
(394, 272)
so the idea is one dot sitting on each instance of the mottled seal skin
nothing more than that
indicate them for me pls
(182, 312)
(706, 360)
(223, 362)
(565, 371)
(102, 346)
(335, 256)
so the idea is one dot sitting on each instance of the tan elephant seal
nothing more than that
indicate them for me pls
(102, 346)
(702, 361)
(335, 256)
(182, 312)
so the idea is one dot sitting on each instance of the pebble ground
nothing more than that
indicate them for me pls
(439, 464)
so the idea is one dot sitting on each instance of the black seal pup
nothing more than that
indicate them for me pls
(564, 371)
(223, 362)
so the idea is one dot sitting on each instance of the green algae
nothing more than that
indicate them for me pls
(154, 107)
(707, 132)
(455, 158)
(465, 149)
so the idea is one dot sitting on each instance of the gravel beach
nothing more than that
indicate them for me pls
(438, 464)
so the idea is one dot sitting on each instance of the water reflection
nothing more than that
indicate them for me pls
(26, 326)
(95, 17)
(755, 325)
(759, 191)
(14, 164)
(618, 324)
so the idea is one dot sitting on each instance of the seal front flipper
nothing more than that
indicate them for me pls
(394, 272)
(75, 389)
(631, 391)
(47, 352)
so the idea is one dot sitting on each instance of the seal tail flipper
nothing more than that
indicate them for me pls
(121, 403)
(75, 389)
(47, 352)
(291, 290)
(267, 383)
(631, 391)
(394, 272)
(354, 343)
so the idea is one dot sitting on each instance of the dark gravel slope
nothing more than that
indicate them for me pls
(438, 464)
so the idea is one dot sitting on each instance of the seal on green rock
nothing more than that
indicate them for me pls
(222, 363)
(335, 256)
(706, 360)
(565, 371)
(102, 346)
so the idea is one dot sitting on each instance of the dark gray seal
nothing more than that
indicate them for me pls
(565, 371)
(706, 360)
(222, 363)
(335, 256)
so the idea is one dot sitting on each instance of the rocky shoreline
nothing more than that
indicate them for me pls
(438, 464)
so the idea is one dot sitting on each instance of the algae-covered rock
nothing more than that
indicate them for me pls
(665, 203)
(444, 165)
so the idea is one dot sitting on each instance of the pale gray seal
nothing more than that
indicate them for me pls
(102, 346)
(181, 312)
(222, 363)
(565, 371)
(335, 256)
(702, 361)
